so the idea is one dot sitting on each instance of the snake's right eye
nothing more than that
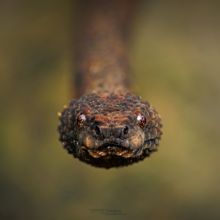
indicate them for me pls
(81, 119)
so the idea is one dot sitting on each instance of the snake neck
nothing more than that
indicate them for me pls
(102, 63)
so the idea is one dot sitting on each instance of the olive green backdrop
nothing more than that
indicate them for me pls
(175, 55)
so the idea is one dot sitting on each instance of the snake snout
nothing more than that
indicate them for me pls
(108, 132)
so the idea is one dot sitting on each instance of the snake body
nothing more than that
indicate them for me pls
(107, 126)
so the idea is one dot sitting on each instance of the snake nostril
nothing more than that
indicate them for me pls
(97, 130)
(125, 130)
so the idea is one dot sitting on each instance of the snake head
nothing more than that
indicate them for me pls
(110, 130)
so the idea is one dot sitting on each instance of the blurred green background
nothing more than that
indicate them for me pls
(176, 61)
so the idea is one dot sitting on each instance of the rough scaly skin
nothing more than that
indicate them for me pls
(111, 135)
(107, 126)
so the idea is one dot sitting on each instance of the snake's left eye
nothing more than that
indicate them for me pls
(141, 119)
(81, 119)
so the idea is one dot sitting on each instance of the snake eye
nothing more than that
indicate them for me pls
(81, 120)
(141, 120)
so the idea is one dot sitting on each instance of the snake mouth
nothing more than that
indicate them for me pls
(110, 149)
(112, 145)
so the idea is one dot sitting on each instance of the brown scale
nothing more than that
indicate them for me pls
(107, 126)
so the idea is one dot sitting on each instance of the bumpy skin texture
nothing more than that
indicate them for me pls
(110, 130)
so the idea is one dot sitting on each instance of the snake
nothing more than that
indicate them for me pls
(105, 124)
